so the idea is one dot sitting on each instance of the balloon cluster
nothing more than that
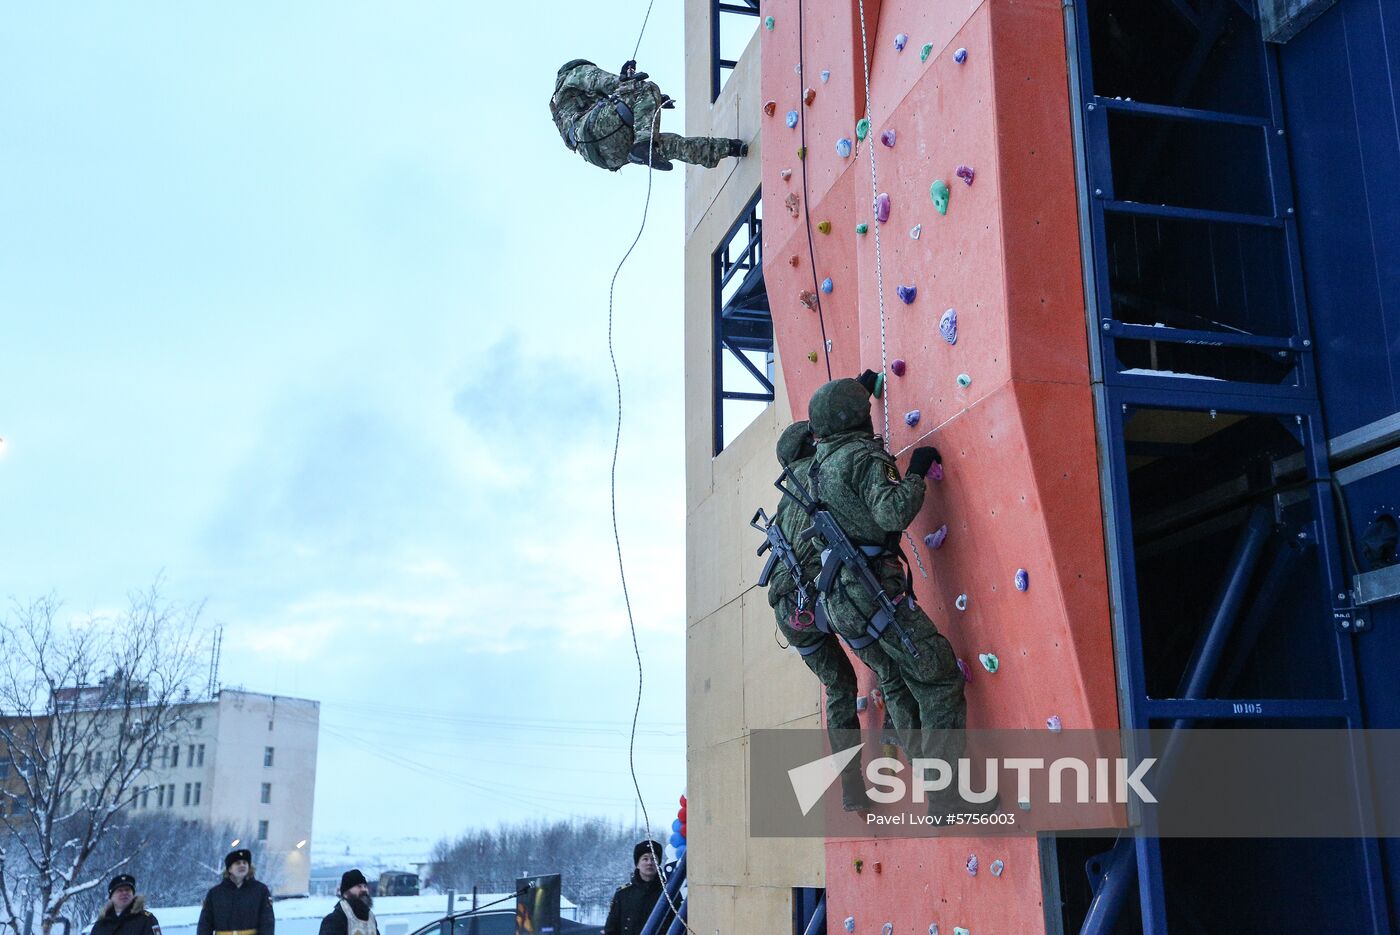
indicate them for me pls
(678, 830)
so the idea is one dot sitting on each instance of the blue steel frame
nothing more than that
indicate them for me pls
(744, 322)
(1119, 394)
(719, 8)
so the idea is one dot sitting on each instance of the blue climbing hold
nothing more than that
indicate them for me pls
(948, 326)
(960, 56)
(934, 540)
(850, 923)
(827, 285)
(911, 418)
(1023, 579)
(791, 119)
(826, 75)
(906, 293)
(843, 147)
(900, 41)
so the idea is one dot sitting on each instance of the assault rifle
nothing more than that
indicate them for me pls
(782, 551)
(841, 553)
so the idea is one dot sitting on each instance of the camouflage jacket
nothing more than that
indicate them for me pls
(577, 91)
(857, 481)
(792, 519)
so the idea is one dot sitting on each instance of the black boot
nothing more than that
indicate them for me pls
(853, 795)
(642, 150)
(738, 148)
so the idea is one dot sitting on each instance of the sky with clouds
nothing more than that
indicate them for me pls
(304, 308)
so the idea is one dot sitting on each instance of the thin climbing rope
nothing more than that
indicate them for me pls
(879, 267)
(645, 19)
(807, 201)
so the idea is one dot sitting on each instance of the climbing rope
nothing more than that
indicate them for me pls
(879, 266)
(807, 201)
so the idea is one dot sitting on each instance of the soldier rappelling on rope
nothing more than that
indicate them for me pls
(614, 119)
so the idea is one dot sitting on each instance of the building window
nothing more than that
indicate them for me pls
(197, 788)
(267, 756)
(266, 797)
(170, 797)
(174, 755)
(743, 328)
(189, 791)
(262, 830)
(189, 756)
(150, 757)
(200, 755)
(732, 25)
(145, 798)
(199, 723)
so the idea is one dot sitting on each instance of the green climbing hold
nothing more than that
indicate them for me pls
(862, 228)
(802, 154)
(964, 380)
(879, 386)
(939, 192)
(862, 128)
(824, 227)
(812, 356)
(768, 23)
(924, 52)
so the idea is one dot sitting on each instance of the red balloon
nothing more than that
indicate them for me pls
(683, 834)
(681, 814)
(682, 799)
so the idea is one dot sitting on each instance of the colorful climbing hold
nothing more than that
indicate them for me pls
(966, 672)
(897, 367)
(935, 472)
(933, 928)
(824, 226)
(900, 41)
(960, 56)
(965, 173)
(939, 192)
(959, 930)
(906, 293)
(797, 69)
(964, 380)
(961, 602)
(801, 152)
(826, 75)
(792, 203)
(948, 326)
(972, 865)
(827, 285)
(997, 867)
(770, 107)
(862, 228)
(888, 137)
(989, 661)
(828, 345)
(785, 173)
(791, 119)
(862, 128)
(851, 921)
(812, 356)
(934, 540)
(768, 23)
(888, 927)
(915, 231)
(879, 386)
(861, 702)
(911, 418)
(1023, 579)
(1054, 724)
(843, 147)
(925, 51)
(808, 298)
(809, 96)
(882, 207)
(792, 260)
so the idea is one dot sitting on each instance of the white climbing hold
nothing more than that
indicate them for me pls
(850, 923)
(915, 231)
(961, 602)
(887, 929)
(1053, 724)
(826, 75)
(997, 867)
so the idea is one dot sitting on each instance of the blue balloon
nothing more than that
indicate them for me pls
(676, 839)
(676, 825)
(679, 851)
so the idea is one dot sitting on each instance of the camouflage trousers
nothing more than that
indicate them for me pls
(929, 683)
(831, 666)
(604, 138)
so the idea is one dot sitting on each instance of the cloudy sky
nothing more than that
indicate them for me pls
(303, 307)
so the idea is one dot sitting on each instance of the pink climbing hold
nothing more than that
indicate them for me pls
(934, 540)
(897, 367)
(882, 207)
(887, 137)
(791, 202)
(965, 173)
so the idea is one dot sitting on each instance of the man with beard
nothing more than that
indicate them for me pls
(632, 904)
(352, 915)
(125, 912)
(239, 904)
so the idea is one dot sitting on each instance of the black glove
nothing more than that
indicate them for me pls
(922, 459)
(628, 69)
(870, 379)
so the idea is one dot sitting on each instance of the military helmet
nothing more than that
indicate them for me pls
(571, 64)
(839, 406)
(795, 443)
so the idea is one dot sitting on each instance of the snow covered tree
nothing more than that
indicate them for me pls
(84, 706)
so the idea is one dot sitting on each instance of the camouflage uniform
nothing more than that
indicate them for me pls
(821, 651)
(584, 108)
(854, 478)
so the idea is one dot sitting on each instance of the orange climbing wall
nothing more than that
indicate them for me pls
(1021, 487)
